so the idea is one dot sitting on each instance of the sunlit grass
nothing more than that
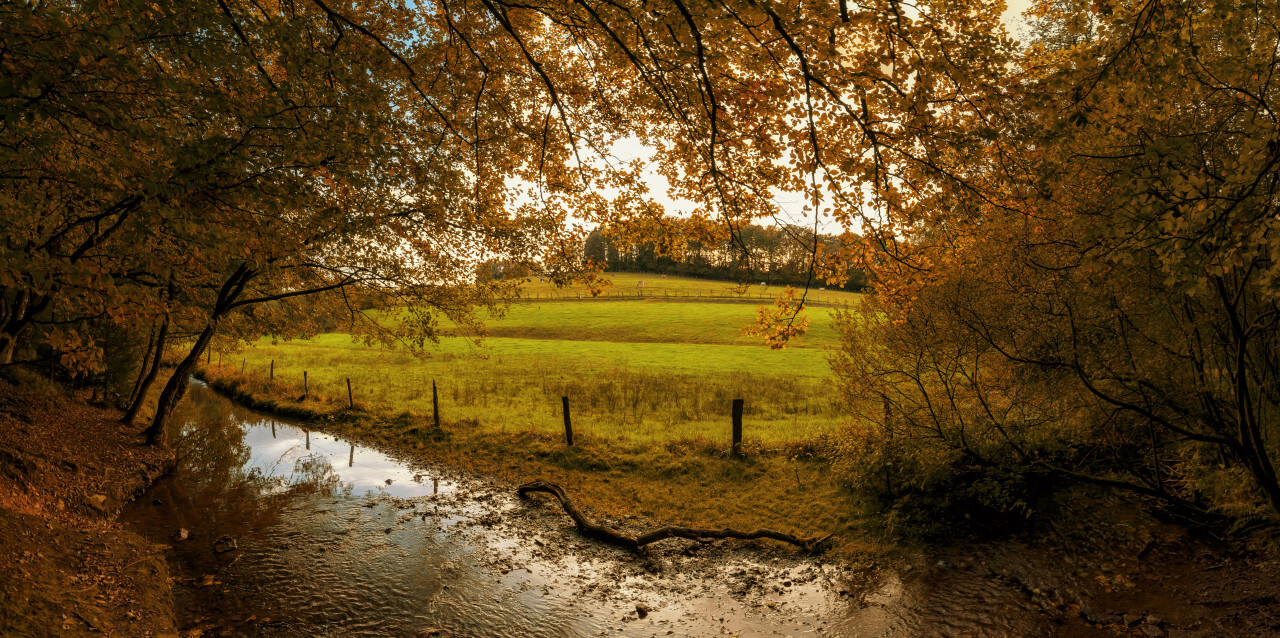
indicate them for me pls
(650, 321)
(673, 287)
(623, 391)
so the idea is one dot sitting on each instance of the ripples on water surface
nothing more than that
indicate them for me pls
(336, 539)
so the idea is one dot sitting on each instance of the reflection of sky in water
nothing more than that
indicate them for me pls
(277, 448)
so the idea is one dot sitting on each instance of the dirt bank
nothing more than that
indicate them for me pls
(69, 569)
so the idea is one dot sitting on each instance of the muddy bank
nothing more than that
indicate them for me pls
(66, 470)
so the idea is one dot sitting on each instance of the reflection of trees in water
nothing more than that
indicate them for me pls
(214, 464)
(314, 474)
(213, 478)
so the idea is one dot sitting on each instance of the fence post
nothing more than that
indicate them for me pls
(273, 369)
(305, 390)
(737, 427)
(435, 404)
(350, 401)
(242, 365)
(568, 426)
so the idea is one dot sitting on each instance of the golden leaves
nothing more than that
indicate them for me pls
(779, 325)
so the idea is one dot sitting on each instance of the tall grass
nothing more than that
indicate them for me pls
(516, 386)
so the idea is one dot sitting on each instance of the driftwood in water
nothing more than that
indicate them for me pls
(590, 529)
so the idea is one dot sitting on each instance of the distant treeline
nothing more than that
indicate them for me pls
(772, 254)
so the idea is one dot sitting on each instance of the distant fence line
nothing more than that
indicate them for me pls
(813, 299)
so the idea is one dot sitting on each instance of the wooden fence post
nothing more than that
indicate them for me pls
(435, 404)
(242, 365)
(273, 369)
(350, 401)
(305, 389)
(568, 426)
(737, 427)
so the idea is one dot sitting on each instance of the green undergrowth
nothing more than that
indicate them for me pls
(686, 481)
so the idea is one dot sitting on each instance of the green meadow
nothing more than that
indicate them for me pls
(647, 370)
(627, 286)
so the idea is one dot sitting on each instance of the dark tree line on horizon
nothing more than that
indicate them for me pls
(769, 254)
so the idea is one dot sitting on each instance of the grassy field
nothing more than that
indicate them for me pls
(657, 321)
(625, 285)
(635, 370)
(650, 384)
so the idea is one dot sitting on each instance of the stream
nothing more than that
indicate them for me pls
(338, 539)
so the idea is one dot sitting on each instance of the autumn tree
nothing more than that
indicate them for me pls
(1094, 297)
(261, 158)
(239, 163)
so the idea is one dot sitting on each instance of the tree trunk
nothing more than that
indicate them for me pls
(140, 396)
(158, 432)
(13, 327)
(145, 367)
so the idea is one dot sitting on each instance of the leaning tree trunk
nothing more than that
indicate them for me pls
(146, 364)
(158, 432)
(140, 395)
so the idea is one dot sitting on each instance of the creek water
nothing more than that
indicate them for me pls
(337, 539)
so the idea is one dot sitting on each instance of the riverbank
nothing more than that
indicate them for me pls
(691, 482)
(1092, 563)
(66, 469)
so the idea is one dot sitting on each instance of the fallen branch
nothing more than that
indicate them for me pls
(590, 529)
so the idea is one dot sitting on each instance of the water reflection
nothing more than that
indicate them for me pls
(337, 539)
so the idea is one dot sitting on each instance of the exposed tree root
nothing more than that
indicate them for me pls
(590, 529)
